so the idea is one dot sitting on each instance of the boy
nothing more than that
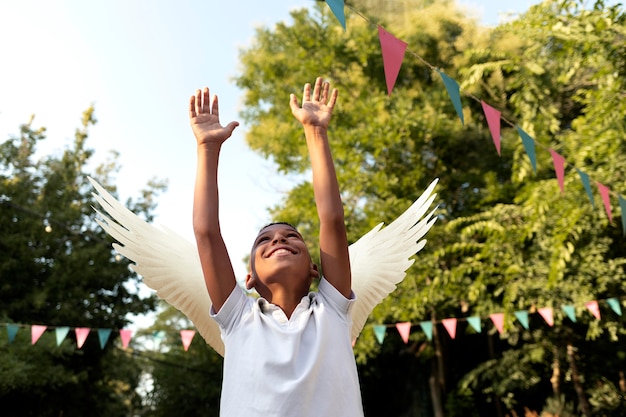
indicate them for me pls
(288, 353)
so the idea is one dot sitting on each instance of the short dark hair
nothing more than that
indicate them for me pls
(275, 223)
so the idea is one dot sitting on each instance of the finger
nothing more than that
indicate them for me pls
(206, 108)
(192, 107)
(198, 102)
(325, 88)
(333, 98)
(317, 89)
(293, 102)
(215, 106)
(306, 94)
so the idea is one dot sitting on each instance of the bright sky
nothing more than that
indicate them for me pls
(138, 62)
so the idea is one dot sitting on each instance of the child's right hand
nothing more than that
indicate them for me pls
(205, 120)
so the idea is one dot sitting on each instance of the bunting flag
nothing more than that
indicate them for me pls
(559, 169)
(474, 321)
(81, 335)
(337, 7)
(570, 311)
(493, 121)
(622, 207)
(187, 337)
(593, 307)
(455, 94)
(614, 304)
(35, 333)
(522, 317)
(498, 321)
(393, 54)
(61, 334)
(103, 337)
(404, 329)
(427, 328)
(12, 331)
(584, 178)
(450, 325)
(380, 330)
(546, 313)
(125, 336)
(604, 193)
(529, 145)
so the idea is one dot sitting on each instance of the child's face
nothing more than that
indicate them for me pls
(280, 256)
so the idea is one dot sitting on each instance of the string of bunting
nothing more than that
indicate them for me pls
(475, 322)
(393, 52)
(81, 333)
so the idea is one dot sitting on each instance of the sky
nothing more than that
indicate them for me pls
(137, 62)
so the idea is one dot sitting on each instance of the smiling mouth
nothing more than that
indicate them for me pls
(280, 252)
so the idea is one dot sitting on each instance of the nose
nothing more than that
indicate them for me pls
(279, 237)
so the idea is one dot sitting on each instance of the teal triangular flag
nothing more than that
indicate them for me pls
(61, 332)
(427, 327)
(614, 304)
(12, 331)
(380, 330)
(455, 94)
(584, 178)
(622, 206)
(522, 316)
(475, 323)
(529, 145)
(103, 335)
(570, 311)
(337, 6)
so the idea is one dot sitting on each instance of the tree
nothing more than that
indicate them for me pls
(58, 269)
(507, 240)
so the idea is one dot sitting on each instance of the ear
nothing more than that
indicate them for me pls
(315, 273)
(250, 281)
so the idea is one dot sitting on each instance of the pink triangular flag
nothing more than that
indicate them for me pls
(187, 336)
(604, 192)
(35, 332)
(81, 335)
(450, 325)
(125, 335)
(546, 313)
(393, 53)
(559, 169)
(498, 321)
(593, 307)
(493, 121)
(404, 329)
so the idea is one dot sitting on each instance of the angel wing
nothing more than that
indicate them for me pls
(168, 263)
(380, 258)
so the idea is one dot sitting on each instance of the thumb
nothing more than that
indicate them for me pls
(231, 126)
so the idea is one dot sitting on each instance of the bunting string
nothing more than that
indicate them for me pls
(393, 52)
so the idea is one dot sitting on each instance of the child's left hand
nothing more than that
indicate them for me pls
(316, 110)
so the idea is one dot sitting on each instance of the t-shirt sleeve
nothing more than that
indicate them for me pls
(231, 310)
(335, 299)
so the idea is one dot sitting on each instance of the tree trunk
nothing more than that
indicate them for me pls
(580, 392)
(437, 380)
(555, 380)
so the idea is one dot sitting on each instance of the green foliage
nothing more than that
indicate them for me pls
(58, 269)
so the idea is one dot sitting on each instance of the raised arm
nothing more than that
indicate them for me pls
(315, 114)
(210, 135)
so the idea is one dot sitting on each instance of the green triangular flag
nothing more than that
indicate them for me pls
(570, 311)
(622, 206)
(614, 304)
(103, 336)
(337, 6)
(585, 180)
(427, 327)
(61, 332)
(529, 145)
(522, 316)
(380, 330)
(12, 331)
(455, 94)
(475, 323)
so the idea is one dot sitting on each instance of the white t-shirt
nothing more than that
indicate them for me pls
(298, 367)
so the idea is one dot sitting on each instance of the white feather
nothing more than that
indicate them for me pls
(170, 265)
(380, 258)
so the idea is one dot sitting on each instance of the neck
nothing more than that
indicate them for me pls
(286, 300)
